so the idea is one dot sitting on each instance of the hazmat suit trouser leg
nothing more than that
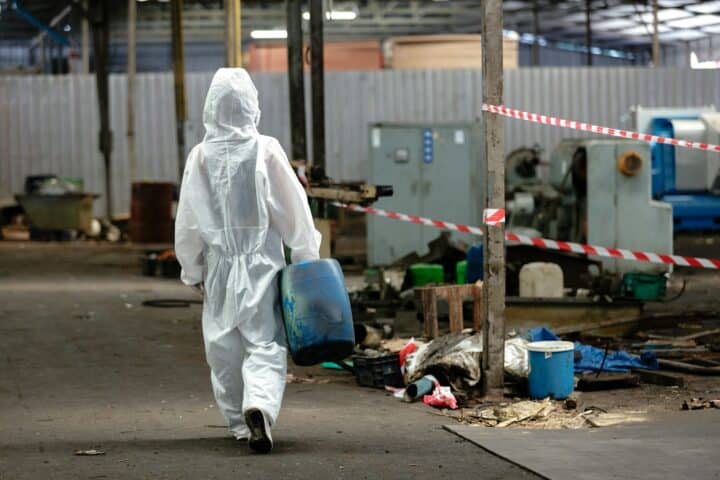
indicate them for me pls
(248, 364)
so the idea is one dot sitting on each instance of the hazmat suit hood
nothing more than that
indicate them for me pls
(231, 111)
(228, 197)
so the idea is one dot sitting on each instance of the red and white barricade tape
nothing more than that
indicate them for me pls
(617, 253)
(494, 216)
(587, 127)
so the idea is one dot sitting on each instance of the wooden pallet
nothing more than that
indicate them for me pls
(454, 294)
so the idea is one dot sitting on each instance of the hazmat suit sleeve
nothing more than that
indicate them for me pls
(188, 243)
(288, 207)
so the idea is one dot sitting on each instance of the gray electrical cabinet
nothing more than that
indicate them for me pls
(435, 171)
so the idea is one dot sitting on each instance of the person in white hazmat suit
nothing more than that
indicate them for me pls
(239, 202)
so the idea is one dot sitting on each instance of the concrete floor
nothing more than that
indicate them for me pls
(83, 365)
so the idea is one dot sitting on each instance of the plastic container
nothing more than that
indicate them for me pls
(475, 266)
(642, 286)
(378, 372)
(425, 273)
(461, 272)
(551, 369)
(541, 280)
(70, 211)
(316, 312)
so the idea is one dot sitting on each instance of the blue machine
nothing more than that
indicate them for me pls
(685, 178)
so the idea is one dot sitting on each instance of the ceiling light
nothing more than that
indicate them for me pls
(713, 29)
(666, 15)
(614, 24)
(645, 30)
(682, 35)
(674, 3)
(268, 34)
(337, 15)
(705, 7)
(696, 21)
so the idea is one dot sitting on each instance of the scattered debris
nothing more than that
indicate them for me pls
(441, 396)
(700, 404)
(609, 419)
(454, 357)
(89, 453)
(290, 378)
(573, 402)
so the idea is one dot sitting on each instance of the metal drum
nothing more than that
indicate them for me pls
(151, 219)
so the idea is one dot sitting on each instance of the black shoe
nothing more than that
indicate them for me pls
(260, 440)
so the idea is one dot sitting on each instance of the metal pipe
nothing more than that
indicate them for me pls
(101, 37)
(233, 33)
(318, 83)
(55, 20)
(655, 36)
(536, 34)
(588, 31)
(131, 68)
(85, 40)
(296, 80)
(28, 17)
(179, 77)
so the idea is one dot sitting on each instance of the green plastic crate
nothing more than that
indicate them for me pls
(461, 272)
(643, 286)
(425, 273)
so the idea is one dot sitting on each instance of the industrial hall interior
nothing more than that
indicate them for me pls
(359, 239)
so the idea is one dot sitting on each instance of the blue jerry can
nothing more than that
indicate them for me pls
(316, 312)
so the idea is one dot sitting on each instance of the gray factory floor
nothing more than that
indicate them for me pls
(85, 366)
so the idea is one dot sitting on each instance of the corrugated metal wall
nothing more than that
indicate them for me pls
(49, 124)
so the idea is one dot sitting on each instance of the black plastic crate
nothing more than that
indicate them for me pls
(378, 371)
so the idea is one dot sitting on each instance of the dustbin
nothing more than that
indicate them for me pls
(69, 211)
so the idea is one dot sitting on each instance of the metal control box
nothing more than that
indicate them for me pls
(435, 171)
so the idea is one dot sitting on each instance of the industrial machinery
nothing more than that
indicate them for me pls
(687, 179)
(435, 173)
(598, 193)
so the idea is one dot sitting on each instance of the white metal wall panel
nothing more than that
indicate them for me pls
(49, 124)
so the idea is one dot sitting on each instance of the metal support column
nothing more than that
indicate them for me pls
(318, 82)
(296, 80)
(655, 36)
(493, 325)
(101, 36)
(588, 31)
(85, 41)
(233, 33)
(536, 34)
(179, 77)
(131, 68)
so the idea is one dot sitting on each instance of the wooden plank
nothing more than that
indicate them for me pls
(654, 377)
(429, 308)
(591, 382)
(456, 311)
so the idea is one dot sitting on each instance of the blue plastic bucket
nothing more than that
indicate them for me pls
(551, 369)
(316, 312)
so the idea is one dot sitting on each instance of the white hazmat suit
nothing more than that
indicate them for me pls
(239, 202)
